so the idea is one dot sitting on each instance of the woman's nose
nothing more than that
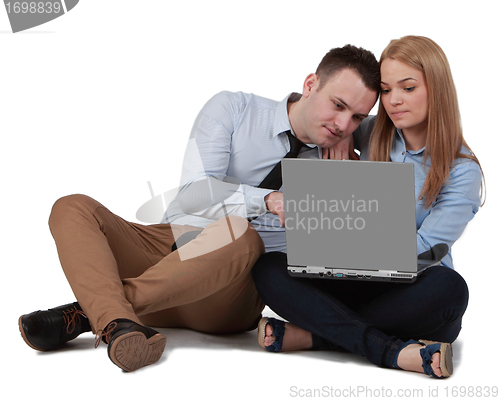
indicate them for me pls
(396, 98)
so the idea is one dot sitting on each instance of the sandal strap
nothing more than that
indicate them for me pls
(278, 327)
(426, 354)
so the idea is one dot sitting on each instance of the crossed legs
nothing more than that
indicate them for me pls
(120, 270)
(369, 319)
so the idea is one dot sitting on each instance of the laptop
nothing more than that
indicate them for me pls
(351, 220)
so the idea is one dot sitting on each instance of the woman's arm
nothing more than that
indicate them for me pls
(455, 206)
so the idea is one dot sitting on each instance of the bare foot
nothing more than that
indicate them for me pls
(409, 359)
(295, 338)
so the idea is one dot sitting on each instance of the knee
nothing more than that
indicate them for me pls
(260, 267)
(66, 205)
(268, 266)
(243, 231)
(451, 286)
(452, 295)
(459, 287)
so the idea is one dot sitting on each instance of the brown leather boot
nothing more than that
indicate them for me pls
(131, 345)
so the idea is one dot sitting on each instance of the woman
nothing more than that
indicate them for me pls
(418, 122)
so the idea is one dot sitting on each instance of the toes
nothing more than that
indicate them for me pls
(436, 367)
(269, 339)
(269, 330)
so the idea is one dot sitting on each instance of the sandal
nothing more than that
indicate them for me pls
(430, 348)
(278, 327)
(446, 361)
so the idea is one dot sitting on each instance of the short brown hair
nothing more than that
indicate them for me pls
(357, 59)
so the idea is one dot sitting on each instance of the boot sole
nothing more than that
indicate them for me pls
(25, 338)
(132, 351)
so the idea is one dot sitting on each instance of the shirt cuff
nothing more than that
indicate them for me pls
(254, 199)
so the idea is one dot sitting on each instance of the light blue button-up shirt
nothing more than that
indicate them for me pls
(237, 137)
(456, 204)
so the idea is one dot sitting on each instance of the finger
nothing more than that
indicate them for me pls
(339, 152)
(281, 215)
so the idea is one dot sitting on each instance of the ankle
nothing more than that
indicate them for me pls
(409, 358)
(415, 357)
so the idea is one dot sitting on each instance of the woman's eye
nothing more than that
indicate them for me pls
(384, 91)
(409, 89)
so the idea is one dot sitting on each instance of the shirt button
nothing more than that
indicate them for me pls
(403, 153)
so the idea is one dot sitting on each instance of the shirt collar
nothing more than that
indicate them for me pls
(399, 138)
(281, 120)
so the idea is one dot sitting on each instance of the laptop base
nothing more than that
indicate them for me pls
(359, 275)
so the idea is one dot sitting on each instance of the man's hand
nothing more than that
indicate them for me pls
(342, 150)
(275, 204)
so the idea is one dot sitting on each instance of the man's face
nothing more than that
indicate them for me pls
(334, 111)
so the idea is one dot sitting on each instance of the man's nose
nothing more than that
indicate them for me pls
(342, 123)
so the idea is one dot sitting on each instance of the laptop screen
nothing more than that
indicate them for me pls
(350, 214)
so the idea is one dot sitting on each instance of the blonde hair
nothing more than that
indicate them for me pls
(444, 130)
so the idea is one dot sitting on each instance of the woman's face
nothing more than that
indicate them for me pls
(404, 96)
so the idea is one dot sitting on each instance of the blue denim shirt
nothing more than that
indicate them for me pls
(457, 202)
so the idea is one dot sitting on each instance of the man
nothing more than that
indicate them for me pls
(126, 276)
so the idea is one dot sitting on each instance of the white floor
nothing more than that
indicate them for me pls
(196, 365)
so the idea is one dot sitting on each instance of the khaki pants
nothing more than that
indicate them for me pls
(119, 269)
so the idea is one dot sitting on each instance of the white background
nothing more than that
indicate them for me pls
(102, 100)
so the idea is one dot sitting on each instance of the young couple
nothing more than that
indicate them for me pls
(127, 276)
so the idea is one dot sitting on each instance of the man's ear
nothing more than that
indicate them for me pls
(311, 82)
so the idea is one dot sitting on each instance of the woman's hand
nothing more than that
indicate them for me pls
(342, 150)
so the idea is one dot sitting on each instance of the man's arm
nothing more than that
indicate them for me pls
(206, 190)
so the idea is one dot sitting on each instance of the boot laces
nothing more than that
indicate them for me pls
(105, 335)
(72, 318)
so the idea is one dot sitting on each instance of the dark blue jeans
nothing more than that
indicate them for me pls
(371, 319)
